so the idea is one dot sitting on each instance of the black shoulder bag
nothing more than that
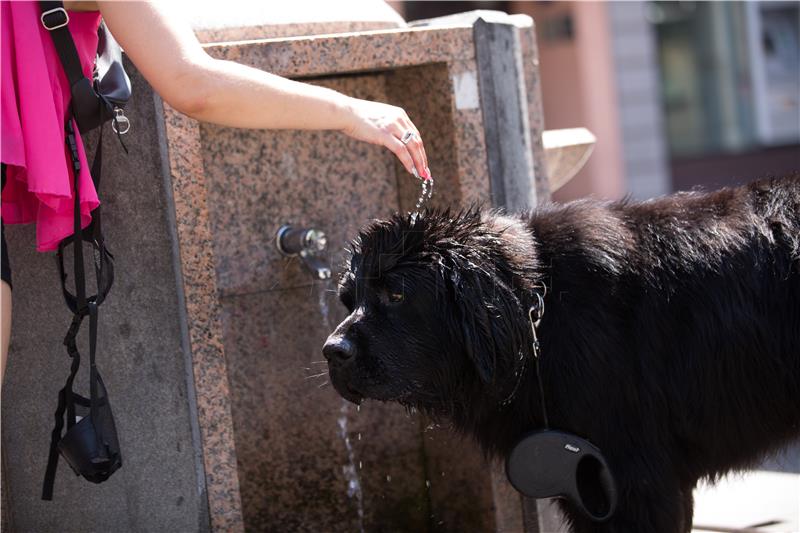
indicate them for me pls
(90, 444)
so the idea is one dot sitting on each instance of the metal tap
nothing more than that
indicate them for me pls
(306, 243)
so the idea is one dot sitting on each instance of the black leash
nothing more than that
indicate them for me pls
(546, 463)
(535, 314)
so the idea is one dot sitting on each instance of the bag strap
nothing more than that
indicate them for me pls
(87, 106)
(66, 402)
(104, 266)
(81, 306)
(84, 100)
(93, 375)
(55, 19)
(77, 235)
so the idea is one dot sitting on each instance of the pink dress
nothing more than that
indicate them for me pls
(35, 104)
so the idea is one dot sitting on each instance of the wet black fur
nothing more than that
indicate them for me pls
(670, 339)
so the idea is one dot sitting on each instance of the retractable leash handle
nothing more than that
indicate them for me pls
(553, 464)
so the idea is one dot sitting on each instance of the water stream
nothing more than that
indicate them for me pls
(349, 469)
(427, 191)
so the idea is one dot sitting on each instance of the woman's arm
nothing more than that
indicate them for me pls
(166, 51)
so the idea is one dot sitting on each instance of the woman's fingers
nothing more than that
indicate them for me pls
(390, 126)
(399, 149)
(414, 147)
(409, 126)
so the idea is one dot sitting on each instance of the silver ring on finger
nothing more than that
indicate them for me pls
(407, 136)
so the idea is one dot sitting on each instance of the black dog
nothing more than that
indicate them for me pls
(671, 337)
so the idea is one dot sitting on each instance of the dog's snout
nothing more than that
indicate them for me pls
(338, 349)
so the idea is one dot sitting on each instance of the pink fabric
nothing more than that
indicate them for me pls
(35, 103)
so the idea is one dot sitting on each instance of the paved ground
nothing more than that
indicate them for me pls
(764, 500)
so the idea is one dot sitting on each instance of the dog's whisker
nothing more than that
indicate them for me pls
(323, 362)
(317, 375)
(323, 384)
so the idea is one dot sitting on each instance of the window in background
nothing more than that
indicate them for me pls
(730, 74)
(706, 82)
(775, 57)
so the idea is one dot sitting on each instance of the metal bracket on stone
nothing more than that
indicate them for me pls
(505, 114)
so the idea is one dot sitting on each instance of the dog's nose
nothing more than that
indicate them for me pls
(338, 349)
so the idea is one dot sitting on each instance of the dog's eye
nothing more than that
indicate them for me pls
(395, 297)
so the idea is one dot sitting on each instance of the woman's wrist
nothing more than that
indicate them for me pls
(342, 114)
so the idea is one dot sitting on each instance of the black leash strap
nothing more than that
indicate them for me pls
(535, 314)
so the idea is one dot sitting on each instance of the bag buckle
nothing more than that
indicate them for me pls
(120, 123)
(61, 19)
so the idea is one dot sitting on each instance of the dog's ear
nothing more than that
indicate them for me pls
(476, 329)
(487, 311)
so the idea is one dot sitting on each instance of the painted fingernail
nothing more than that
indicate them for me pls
(428, 173)
(415, 173)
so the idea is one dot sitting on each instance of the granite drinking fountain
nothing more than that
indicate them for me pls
(211, 339)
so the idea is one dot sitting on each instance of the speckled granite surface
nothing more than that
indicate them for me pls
(259, 180)
(272, 439)
(308, 460)
(240, 20)
(345, 53)
(202, 311)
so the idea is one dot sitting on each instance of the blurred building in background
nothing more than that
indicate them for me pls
(679, 94)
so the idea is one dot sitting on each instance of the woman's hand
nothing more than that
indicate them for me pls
(389, 126)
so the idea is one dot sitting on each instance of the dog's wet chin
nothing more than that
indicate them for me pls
(356, 393)
(344, 389)
(349, 394)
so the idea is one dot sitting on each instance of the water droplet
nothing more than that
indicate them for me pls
(360, 465)
(359, 436)
(428, 483)
(388, 479)
(426, 193)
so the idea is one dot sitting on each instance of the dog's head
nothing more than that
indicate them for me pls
(437, 317)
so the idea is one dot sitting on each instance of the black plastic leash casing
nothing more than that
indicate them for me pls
(555, 464)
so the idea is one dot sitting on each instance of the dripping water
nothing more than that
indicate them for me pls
(427, 190)
(349, 469)
(350, 472)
